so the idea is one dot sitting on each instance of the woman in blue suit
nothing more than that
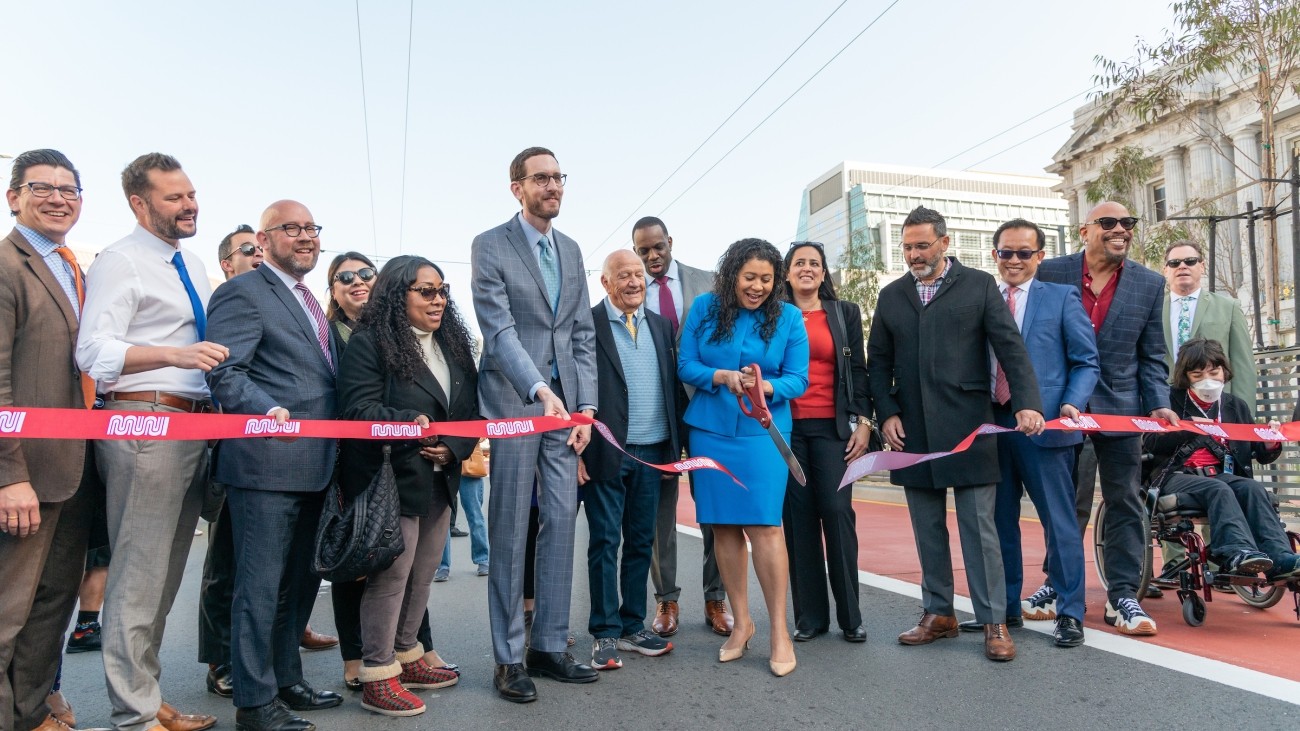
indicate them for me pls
(745, 320)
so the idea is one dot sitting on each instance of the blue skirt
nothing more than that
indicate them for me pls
(755, 461)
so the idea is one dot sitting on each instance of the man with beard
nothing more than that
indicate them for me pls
(539, 359)
(143, 341)
(282, 363)
(1124, 301)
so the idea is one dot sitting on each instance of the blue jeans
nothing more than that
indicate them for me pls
(622, 508)
(471, 502)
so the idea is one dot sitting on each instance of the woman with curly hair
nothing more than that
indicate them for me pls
(745, 320)
(410, 359)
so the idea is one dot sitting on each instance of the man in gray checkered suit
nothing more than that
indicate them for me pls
(539, 358)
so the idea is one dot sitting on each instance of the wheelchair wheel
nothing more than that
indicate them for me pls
(1099, 550)
(1193, 608)
(1260, 597)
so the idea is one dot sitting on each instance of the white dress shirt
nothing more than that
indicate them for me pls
(134, 297)
(1175, 306)
(1022, 301)
(674, 286)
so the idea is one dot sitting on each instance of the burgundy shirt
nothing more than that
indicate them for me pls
(1098, 305)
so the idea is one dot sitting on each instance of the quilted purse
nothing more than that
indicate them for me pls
(361, 537)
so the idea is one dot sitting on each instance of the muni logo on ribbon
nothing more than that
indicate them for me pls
(11, 422)
(269, 426)
(510, 428)
(135, 425)
(394, 430)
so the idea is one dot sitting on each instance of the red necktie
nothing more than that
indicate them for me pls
(667, 307)
(1001, 389)
(87, 385)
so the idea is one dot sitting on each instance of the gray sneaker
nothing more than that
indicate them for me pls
(442, 574)
(646, 643)
(604, 654)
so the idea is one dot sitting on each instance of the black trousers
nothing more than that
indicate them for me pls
(1119, 461)
(815, 512)
(216, 591)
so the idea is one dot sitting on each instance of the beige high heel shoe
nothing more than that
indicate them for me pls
(726, 654)
(782, 669)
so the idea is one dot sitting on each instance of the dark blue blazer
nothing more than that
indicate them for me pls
(1063, 351)
(1131, 343)
(275, 360)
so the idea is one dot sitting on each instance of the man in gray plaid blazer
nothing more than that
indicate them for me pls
(539, 358)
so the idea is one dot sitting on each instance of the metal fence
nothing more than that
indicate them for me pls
(1277, 376)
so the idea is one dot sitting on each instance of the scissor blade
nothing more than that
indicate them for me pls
(786, 454)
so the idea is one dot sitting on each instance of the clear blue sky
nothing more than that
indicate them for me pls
(262, 100)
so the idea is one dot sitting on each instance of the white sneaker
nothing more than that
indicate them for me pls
(1129, 618)
(1041, 605)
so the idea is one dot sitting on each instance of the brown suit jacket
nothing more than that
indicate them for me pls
(38, 333)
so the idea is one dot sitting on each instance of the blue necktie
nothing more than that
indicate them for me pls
(200, 319)
(550, 273)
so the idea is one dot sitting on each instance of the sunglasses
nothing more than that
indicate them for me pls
(1021, 254)
(347, 278)
(1108, 222)
(428, 292)
(815, 244)
(1190, 261)
(245, 249)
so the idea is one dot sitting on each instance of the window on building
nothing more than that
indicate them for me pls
(824, 194)
(968, 240)
(1159, 201)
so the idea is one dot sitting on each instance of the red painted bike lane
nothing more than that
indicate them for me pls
(1233, 632)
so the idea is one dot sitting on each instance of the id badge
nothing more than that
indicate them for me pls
(1228, 464)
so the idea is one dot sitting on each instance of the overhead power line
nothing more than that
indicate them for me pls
(365, 116)
(406, 127)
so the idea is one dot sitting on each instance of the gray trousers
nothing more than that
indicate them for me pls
(394, 601)
(154, 494)
(663, 566)
(40, 575)
(928, 508)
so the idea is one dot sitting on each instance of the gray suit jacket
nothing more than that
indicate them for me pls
(1220, 318)
(695, 282)
(522, 336)
(275, 360)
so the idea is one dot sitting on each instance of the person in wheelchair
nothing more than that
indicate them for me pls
(1213, 475)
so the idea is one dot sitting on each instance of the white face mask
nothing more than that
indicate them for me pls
(1209, 389)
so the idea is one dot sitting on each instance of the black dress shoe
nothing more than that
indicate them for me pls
(1068, 632)
(559, 666)
(219, 682)
(857, 634)
(513, 683)
(975, 626)
(273, 716)
(807, 635)
(301, 697)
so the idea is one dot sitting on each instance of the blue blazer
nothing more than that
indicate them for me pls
(784, 362)
(1131, 343)
(1063, 351)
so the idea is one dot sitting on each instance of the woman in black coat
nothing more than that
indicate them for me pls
(1213, 474)
(411, 359)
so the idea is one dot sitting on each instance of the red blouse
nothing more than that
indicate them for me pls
(818, 402)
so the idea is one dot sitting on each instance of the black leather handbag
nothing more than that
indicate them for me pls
(361, 537)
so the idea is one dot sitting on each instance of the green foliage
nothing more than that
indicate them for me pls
(1123, 178)
(860, 265)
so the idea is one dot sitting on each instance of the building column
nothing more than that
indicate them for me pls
(1203, 182)
(1175, 181)
(1245, 144)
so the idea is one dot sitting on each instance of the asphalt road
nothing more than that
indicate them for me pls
(948, 684)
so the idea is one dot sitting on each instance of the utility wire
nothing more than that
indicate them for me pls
(365, 116)
(406, 127)
(715, 131)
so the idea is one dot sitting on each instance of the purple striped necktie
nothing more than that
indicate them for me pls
(322, 326)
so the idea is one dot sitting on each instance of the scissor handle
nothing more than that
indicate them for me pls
(759, 409)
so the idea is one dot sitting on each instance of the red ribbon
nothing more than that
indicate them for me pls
(878, 461)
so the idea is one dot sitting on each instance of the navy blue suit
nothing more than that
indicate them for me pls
(275, 488)
(1134, 381)
(1063, 351)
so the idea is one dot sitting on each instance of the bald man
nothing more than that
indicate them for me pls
(273, 325)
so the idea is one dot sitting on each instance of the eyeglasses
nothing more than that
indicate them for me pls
(922, 247)
(428, 292)
(293, 229)
(1021, 254)
(1190, 261)
(347, 278)
(543, 180)
(1108, 222)
(245, 249)
(45, 190)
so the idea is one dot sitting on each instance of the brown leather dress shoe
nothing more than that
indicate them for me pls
(930, 628)
(313, 640)
(998, 645)
(665, 624)
(173, 720)
(717, 618)
(61, 709)
(53, 724)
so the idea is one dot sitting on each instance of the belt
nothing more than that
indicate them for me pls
(194, 406)
(1202, 471)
